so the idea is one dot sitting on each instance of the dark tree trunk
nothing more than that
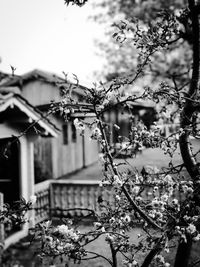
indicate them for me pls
(189, 108)
(184, 249)
(183, 253)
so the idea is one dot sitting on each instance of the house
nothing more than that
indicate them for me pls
(125, 118)
(69, 152)
(35, 145)
(20, 124)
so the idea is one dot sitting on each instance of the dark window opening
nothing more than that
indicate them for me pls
(65, 134)
(73, 133)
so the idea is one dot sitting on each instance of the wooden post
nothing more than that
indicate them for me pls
(1, 229)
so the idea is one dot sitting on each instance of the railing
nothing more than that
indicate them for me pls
(71, 197)
(42, 206)
(65, 198)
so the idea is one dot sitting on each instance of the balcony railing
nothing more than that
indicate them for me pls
(68, 198)
(76, 198)
(65, 198)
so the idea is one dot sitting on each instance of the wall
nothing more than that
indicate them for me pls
(40, 93)
(43, 159)
(66, 158)
(70, 157)
(56, 158)
(91, 146)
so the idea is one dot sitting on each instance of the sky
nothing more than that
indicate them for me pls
(48, 35)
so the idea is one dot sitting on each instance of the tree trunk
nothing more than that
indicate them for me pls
(184, 249)
(189, 109)
(151, 255)
(183, 253)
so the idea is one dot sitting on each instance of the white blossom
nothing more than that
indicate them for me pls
(196, 238)
(136, 190)
(79, 125)
(191, 228)
(96, 134)
(117, 181)
(33, 199)
(97, 224)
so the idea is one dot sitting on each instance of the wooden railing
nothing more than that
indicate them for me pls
(42, 206)
(71, 197)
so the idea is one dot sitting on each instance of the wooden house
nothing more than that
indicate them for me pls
(28, 153)
(20, 124)
(69, 152)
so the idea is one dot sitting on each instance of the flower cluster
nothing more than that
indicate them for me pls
(96, 134)
(59, 240)
(79, 125)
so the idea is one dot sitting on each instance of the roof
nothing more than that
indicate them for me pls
(19, 80)
(36, 118)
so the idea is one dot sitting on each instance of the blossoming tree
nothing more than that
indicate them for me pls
(170, 216)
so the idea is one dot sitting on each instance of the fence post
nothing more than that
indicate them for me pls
(1, 229)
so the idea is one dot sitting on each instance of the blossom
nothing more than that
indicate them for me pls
(96, 134)
(155, 202)
(49, 238)
(63, 229)
(191, 228)
(175, 201)
(168, 179)
(152, 214)
(109, 237)
(126, 219)
(196, 238)
(97, 224)
(79, 125)
(117, 197)
(33, 199)
(160, 258)
(136, 189)
(164, 197)
(134, 263)
(117, 181)
(68, 246)
(112, 220)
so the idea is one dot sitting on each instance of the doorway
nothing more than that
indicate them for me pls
(9, 169)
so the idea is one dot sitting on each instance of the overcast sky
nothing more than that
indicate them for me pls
(48, 35)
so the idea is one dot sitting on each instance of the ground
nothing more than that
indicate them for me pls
(25, 253)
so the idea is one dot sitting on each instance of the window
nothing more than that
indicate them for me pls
(73, 133)
(65, 134)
